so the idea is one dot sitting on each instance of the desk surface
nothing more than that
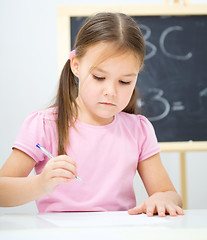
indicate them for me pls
(103, 225)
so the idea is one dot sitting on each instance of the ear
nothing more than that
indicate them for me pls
(74, 64)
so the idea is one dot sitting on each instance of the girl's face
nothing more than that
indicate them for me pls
(106, 89)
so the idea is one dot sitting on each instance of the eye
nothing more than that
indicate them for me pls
(124, 83)
(98, 78)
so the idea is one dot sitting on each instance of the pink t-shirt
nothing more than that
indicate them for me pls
(106, 157)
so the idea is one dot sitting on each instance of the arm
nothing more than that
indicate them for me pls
(17, 189)
(162, 195)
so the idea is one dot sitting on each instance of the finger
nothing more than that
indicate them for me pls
(179, 210)
(64, 158)
(150, 209)
(161, 210)
(61, 180)
(66, 166)
(171, 210)
(62, 173)
(137, 210)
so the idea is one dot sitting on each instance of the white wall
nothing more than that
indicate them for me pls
(29, 77)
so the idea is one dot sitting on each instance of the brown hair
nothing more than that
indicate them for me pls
(116, 28)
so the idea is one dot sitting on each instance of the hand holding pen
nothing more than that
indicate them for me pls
(60, 169)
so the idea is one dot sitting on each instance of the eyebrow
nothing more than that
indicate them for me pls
(125, 75)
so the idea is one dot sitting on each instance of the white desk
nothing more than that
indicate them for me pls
(103, 225)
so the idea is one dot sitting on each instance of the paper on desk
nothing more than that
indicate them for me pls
(102, 219)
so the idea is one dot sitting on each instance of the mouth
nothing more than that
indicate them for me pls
(107, 104)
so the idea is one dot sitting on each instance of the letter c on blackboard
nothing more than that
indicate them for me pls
(162, 44)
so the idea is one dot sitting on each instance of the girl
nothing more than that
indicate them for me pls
(93, 131)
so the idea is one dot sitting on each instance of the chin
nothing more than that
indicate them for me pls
(107, 118)
(106, 115)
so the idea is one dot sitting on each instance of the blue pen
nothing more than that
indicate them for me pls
(49, 155)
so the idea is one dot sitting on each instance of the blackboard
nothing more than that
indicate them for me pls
(173, 83)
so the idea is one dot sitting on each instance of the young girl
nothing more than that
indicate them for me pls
(94, 133)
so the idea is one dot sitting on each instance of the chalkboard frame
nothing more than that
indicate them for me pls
(167, 9)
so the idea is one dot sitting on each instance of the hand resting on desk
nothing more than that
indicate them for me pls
(163, 196)
(159, 203)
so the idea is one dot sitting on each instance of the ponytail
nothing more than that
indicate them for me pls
(67, 106)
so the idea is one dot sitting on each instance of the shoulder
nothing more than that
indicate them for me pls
(38, 127)
(46, 114)
(141, 129)
(138, 125)
(133, 120)
(40, 118)
(39, 121)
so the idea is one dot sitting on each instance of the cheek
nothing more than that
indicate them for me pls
(126, 96)
(87, 90)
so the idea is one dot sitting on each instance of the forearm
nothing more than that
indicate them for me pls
(15, 191)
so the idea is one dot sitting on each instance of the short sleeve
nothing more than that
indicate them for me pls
(31, 133)
(148, 144)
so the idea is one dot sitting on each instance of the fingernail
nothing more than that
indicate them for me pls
(162, 214)
(149, 213)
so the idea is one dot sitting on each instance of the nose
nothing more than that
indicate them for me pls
(110, 89)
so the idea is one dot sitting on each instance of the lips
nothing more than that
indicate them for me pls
(107, 103)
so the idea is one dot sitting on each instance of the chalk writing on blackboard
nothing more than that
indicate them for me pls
(163, 36)
(146, 34)
(159, 107)
(162, 44)
(155, 96)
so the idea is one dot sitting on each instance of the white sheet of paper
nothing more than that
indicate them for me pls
(102, 219)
